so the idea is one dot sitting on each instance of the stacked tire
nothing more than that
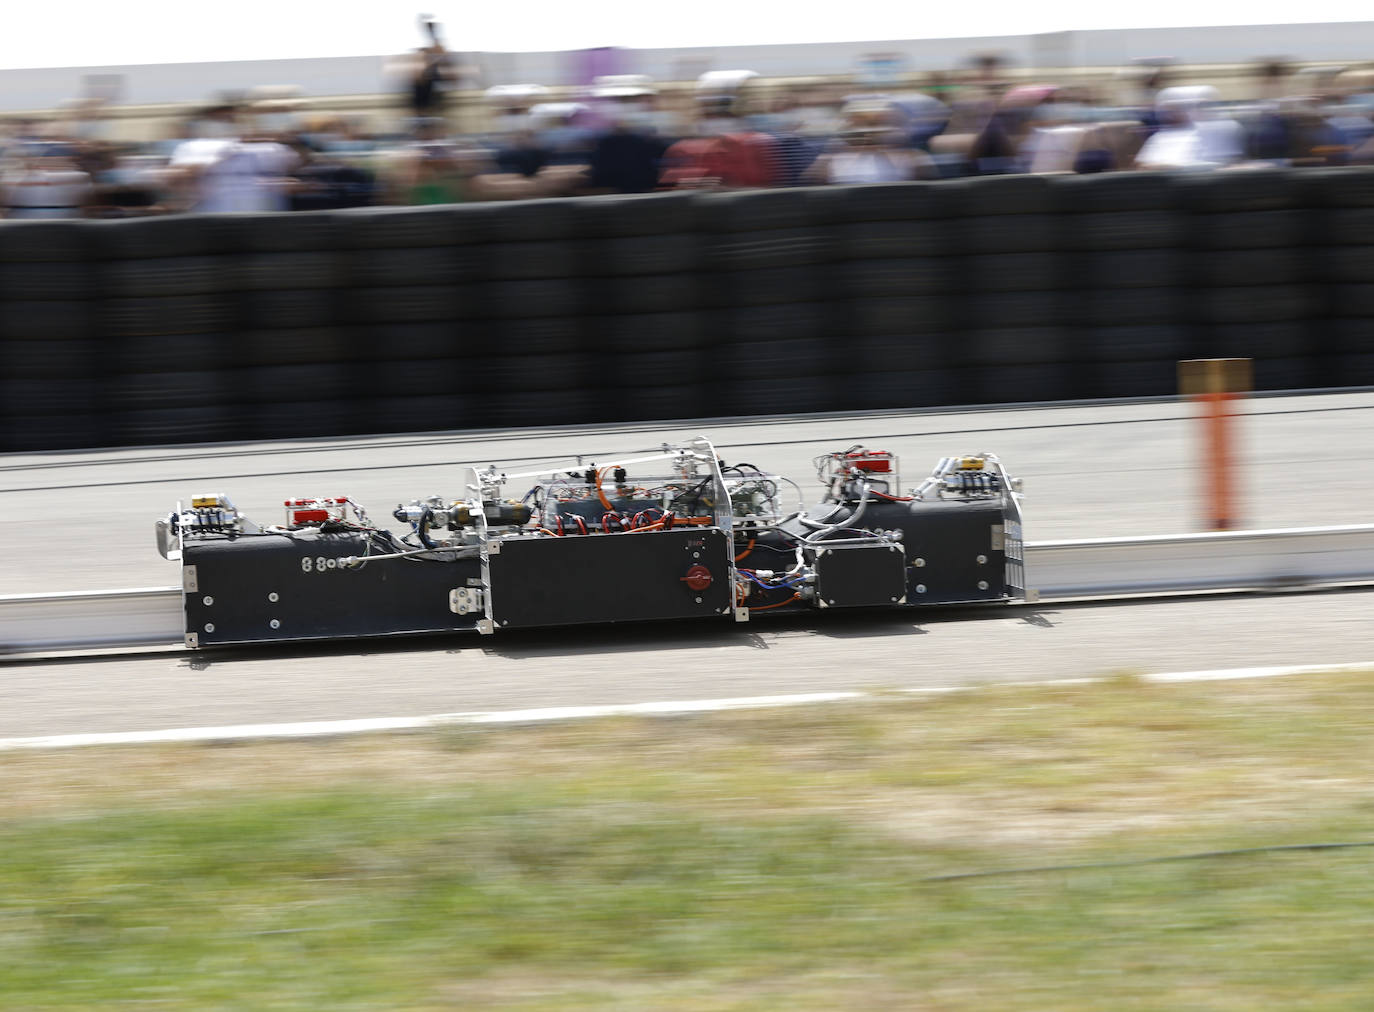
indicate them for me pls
(1343, 273)
(291, 377)
(50, 360)
(527, 359)
(774, 312)
(1128, 273)
(647, 330)
(169, 324)
(411, 318)
(1016, 342)
(1250, 262)
(675, 306)
(896, 289)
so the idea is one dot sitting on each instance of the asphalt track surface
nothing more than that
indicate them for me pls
(83, 521)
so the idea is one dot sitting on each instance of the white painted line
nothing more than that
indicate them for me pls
(1278, 672)
(307, 729)
(318, 728)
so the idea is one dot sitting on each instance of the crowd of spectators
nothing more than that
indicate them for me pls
(622, 135)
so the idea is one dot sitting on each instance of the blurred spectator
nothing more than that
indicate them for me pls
(221, 171)
(511, 105)
(1271, 74)
(871, 149)
(626, 157)
(1190, 135)
(561, 129)
(325, 182)
(45, 182)
(628, 100)
(1147, 78)
(85, 119)
(818, 112)
(924, 117)
(733, 130)
(427, 169)
(522, 154)
(724, 152)
(335, 135)
(998, 146)
(126, 185)
(795, 153)
(953, 150)
(1065, 135)
(430, 72)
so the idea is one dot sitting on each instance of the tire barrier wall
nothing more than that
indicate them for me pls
(556, 312)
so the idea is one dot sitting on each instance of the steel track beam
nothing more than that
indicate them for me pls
(1223, 560)
(90, 619)
(1055, 570)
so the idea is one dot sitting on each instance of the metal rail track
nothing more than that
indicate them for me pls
(1309, 557)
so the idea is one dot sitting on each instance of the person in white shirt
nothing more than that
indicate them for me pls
(45, 183)
(870, 149)
(219, 171)
(46, 188)
(1192, 136)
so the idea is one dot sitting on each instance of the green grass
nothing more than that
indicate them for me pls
(764, 860)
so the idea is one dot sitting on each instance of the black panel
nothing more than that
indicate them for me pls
(859, 576)
(314, 602)
(608, 578)
(944, 540)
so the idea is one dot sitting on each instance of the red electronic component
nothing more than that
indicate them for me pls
(871, 461)
(698, 577)
(314, 511)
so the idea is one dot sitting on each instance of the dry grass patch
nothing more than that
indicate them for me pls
(741, 861)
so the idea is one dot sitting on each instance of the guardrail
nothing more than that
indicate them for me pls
(1304, 557)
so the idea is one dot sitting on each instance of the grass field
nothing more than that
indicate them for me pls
(785, 859)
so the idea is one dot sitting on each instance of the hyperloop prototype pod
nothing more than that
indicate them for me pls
(675, 533)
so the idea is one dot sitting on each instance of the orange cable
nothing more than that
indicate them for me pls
(779, 604)
(600, 494)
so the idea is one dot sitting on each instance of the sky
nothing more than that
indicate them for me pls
(84, 33)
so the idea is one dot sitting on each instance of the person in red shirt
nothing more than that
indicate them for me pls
(725, 152)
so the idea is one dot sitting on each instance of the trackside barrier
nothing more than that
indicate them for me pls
(1308, 557)
(607, 309)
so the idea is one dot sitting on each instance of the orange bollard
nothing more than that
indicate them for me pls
(1221, 488)
(1214, 385)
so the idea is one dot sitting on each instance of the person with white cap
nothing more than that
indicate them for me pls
(1190, 135)
(511, 104)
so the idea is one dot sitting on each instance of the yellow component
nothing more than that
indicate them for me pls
(971, 464)
(206, 501)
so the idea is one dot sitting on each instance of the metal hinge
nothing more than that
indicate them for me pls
(466, 600)
(188, 579)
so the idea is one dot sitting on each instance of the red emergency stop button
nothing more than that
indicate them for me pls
(698, 577)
